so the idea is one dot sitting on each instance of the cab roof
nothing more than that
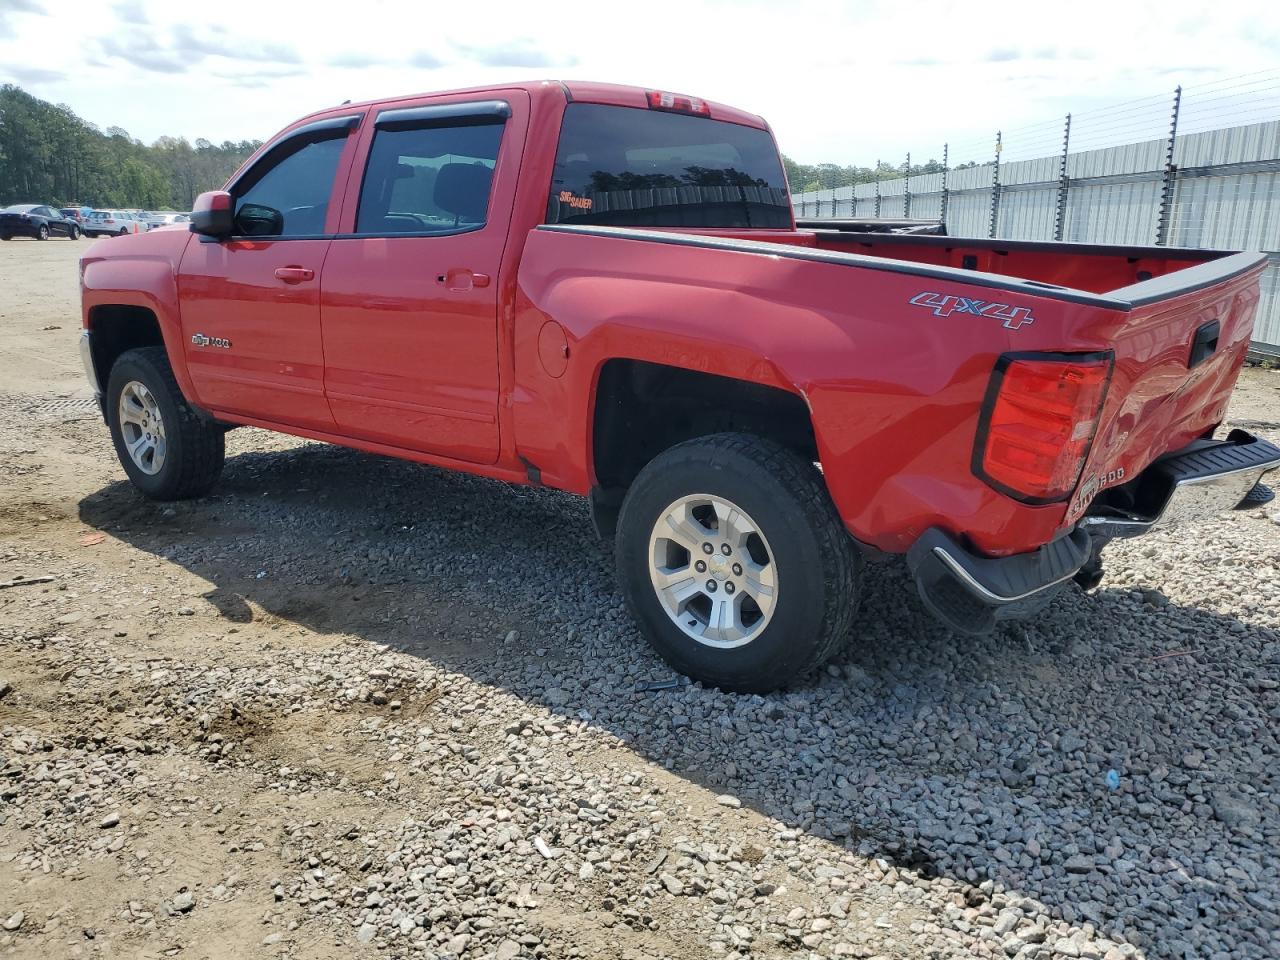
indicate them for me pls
(585, 91)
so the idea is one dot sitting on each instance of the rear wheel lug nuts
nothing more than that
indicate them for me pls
(726, 549)
(737, 569)
(729, 587)
(711, 586)
(708, 548)
(701, 566)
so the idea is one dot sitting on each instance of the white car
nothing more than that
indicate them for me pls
(102, 223)
(165, 218)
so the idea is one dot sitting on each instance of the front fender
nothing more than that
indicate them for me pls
(128, 273)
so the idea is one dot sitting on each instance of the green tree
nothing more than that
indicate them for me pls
(50, 155)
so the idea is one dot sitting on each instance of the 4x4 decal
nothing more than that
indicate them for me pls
(945, 304)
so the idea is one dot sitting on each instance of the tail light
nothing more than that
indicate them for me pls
(673, 103)
(1038, 422)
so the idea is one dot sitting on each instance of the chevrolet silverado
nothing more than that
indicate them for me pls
(603, 289)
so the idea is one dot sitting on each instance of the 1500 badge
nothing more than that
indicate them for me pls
(944, 305)
(200, 340)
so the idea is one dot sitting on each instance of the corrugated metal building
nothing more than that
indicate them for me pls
(1226, 195)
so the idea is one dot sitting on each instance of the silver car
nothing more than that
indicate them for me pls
(102, 223)
(165, 218)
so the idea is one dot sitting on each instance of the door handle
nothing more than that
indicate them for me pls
(295, 274)
(460, 278)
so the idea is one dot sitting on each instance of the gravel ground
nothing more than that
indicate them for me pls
(348, 706)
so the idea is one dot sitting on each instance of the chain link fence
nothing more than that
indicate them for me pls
(1197, 168)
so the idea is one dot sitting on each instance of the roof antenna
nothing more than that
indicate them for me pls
(345, 102)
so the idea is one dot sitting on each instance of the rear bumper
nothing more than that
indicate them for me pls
(971, 593)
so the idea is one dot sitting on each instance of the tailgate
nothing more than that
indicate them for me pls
(1178, 351)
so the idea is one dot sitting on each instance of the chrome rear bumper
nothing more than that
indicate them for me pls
(1210, 478)
(971, 593)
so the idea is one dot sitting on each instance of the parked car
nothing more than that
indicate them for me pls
(37, 220)
(166, 218)
(72, 213)
(102, 223)
(750, 408)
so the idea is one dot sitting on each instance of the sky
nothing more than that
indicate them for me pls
(839, 82)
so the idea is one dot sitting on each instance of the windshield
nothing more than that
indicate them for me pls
(100, 215)
(20, 208)
(624, 166)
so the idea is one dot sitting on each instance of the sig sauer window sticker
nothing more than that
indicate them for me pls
(575, 201)
(944, 305)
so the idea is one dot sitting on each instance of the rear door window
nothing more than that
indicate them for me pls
(624, 166)
(429, 179)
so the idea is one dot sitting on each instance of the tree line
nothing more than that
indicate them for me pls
(804, 177)
(50, 155)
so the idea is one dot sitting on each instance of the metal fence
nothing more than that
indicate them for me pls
(1211, 186)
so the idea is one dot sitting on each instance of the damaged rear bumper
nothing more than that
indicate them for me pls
(971, 593)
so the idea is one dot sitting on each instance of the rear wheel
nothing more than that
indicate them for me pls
(42, 233)
(168, 450)
(735, 563)
(6, 236)
(124, 231)
(75, 233)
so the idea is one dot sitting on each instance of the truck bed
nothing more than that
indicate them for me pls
(929, 318)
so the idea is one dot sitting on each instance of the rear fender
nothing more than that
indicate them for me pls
(579, 323)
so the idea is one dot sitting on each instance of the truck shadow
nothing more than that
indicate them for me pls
(981, 759)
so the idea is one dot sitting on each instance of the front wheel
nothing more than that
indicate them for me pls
(168, 450)
(74, 234)
(734, 561)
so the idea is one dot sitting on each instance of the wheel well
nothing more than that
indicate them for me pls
(644, 408)
(117, 328)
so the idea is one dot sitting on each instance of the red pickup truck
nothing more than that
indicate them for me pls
(603, 289)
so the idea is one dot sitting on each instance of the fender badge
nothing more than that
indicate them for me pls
(200, 340)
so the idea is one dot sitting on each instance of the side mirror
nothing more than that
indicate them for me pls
(258, 220)
(212, 213)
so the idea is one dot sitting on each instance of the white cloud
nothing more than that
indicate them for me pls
(847, 83)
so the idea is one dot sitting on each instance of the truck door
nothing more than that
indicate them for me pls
(251, 303)
(409, 296)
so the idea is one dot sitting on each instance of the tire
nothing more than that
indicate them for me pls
(74, 234)
(189, 458)
(800, 546)
(124, 232)
(42, 233)
(6, 236)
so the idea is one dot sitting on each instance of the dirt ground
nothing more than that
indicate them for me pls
(229, 727)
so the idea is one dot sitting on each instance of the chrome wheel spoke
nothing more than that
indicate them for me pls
(724, 624)
(684, 529)
(679, 588)
(734, 527)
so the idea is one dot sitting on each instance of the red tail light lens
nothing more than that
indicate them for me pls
(1038, 423)
(658, 100)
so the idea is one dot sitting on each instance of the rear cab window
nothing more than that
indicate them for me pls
(627, 166)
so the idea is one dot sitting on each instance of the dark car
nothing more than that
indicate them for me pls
(40, 221)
